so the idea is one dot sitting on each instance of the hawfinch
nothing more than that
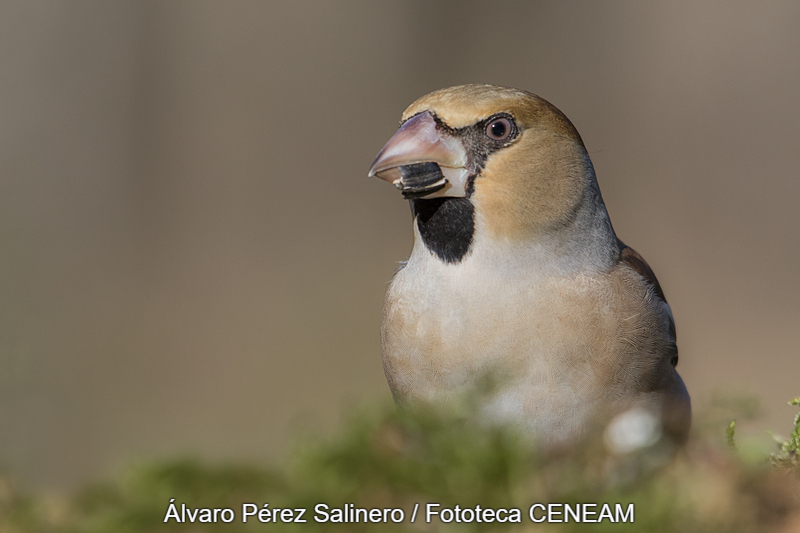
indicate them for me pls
(516, 272)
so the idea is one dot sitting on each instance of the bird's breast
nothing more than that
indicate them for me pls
(559, 343)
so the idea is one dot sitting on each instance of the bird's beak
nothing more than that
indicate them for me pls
(423, 161)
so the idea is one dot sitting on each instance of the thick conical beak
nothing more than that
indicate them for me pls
(423, 161)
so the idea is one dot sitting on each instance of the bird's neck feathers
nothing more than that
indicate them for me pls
(544, 216)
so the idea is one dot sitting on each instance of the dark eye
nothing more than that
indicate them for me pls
(499, 129)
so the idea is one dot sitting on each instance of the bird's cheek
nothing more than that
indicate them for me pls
(522, 194)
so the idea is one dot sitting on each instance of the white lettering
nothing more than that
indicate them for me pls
(551, 512)
(574, 513)
(625, 516)
(172, 512)
(246, 512)
(429, 511)
(192, 516)
(265, 514)
(605, 512)
(533, 515)
(446, 515)
(320, 508)
(587, 512)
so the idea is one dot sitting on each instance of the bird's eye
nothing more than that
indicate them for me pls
(499, 129)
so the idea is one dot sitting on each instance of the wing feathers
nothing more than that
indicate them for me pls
(631, 257)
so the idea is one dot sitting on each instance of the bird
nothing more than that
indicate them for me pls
(516, 272)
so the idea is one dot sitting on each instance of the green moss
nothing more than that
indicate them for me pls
(384, 458)
(788, 454)
(729, 435)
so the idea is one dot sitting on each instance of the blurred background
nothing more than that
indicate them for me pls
(193, 261)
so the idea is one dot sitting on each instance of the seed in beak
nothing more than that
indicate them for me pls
(420, 179)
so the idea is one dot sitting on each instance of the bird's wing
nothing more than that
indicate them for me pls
(631, 257)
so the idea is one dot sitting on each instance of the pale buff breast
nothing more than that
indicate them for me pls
(562, 346)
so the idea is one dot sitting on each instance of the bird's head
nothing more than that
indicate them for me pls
(513, 156)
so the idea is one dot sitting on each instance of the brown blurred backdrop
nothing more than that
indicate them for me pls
(192, 256)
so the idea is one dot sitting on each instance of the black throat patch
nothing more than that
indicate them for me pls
(446, 226)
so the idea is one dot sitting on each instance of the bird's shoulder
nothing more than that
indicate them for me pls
(632, 259)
